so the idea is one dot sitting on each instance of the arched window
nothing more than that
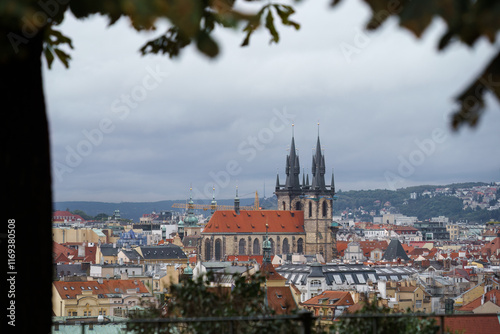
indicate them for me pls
(256, 247)
(284, 205)
(310, 210)
(325, 209)
(286, 246)
(242, 247)
(272, 246)
(208, 251)
(300, 246)
(218, 250)
(298, 206)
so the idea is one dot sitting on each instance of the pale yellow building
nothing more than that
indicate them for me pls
(408, 295)
(453, 230)
(94, 298)
(70, 234)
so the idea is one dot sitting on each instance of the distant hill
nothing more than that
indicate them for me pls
(422, 207)
(135, 210)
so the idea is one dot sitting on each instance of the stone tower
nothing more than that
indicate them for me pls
(315, 199)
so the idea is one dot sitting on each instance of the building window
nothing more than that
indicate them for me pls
(300, 246)
(208, 251)
(218, 250)
(315, 283)
(272, 246)
(310, 210)
(256, 247)
(242, 247)
(286, 246)
(325, 209)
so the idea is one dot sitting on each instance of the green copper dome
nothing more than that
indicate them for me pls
(191, 220)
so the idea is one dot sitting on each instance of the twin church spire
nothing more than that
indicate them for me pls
(318, 170)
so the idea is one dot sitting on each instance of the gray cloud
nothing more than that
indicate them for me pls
(198, 124)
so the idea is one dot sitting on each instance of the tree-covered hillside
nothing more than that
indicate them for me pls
(423, 207)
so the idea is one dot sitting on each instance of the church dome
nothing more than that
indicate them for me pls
(188, 271)
(191, 220)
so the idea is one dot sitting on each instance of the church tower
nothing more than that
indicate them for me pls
(315, 200)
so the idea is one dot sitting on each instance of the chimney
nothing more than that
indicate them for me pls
(382, 288)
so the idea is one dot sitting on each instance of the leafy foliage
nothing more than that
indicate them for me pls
(467, 21)
(195, 299)
(383, 322)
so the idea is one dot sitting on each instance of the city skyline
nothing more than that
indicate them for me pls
(131, 128)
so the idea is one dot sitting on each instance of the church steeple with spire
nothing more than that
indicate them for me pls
(318, 168)
(314, 199)
(292, 167)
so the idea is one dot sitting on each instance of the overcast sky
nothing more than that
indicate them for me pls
(131, 128)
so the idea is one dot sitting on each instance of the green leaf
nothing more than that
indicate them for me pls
(49, 56)
(471, 100)
(284, 13)
(63, 57)
(207, 45)
(272, 29)
(417, 15)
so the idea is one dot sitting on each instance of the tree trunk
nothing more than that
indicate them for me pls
(27, 203)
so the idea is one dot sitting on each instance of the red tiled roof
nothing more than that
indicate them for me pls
(66, 215)
(341, 247)
(472, 324)
(271, 274)
(280, 299)
(491, 247)
(227, 221)
(69, 290)
(333, 298)
(479, 301)
(58, 250)
(368, 246)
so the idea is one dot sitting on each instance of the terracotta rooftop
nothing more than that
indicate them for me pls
(472, 324)
(492, 295)
(227, 221)
(70, 290)
(331, 298)
(280, 299)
